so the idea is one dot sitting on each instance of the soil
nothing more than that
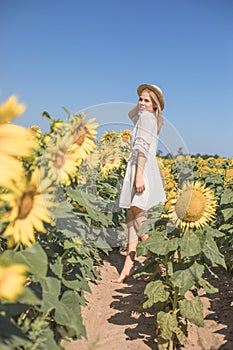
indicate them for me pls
(114, 320)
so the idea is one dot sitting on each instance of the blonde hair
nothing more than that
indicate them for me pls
(157, 108)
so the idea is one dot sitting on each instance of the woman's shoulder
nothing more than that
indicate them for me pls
(147, 117)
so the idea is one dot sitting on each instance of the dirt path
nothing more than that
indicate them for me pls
(114, 320)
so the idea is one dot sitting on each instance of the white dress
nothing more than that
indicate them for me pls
(143, 138)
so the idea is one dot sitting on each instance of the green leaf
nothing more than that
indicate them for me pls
(29, 297)
(11, 336)
(35, 258)
(68, 313)
(57, 267)
(227, 196)
(227, 213)
(46, 115)
(186, 278)
(77, 284)
(156, 292)
(211, 251)
(207, 286)
(42, 335)
(212, 232)
(226, 227)
(66, 110)
(196, 270)
(173, 244)
(183, 279)
(167, 324)
(157, 244)
(189, 245)
(64, 210)
(192, 310)
(51, 287)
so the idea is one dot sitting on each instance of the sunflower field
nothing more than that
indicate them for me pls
(59, 213)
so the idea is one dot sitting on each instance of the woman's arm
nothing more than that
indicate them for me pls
(139, 183)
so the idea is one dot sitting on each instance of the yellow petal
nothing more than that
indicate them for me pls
(11, 109)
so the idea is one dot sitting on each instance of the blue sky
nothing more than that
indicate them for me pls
(80, 54)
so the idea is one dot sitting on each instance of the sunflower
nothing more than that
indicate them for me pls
(11, 171)
(11, 109)
(109, 136)
(58, 126)
(125, 136)
(228, 176)
(110, 157)
(63, 159)
(195, 206)
(213, 170)
(30, 205)
(12, 279)
(15, 142)
(84, 134)
(169, 181)
(92, 160)
(35, 131)
(69, 169)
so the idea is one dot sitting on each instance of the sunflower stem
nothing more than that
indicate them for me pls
(171, 344)
(175, 301)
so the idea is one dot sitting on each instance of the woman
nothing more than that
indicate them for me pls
(142, 187)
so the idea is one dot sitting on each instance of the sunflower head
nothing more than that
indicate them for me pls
(110, 157)
(125, 136)
(228, 176)
(11, 109)
(31, 206)
(35, 131)
(12, 279)
(109, 136)
(194, 207)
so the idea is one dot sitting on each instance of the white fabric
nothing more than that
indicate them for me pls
(144, 139)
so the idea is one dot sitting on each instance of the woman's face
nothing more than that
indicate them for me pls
(145, 102)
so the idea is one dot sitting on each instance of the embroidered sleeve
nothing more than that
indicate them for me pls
(146, 132)
(140, 141)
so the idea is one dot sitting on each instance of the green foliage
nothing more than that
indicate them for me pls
(183, 258)
(66, 259)
(61, 264)
(225, 225)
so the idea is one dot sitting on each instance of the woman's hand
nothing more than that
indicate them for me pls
(139, 185)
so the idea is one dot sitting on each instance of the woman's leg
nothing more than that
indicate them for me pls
(131, 248)
(134, 218)
(140, 216)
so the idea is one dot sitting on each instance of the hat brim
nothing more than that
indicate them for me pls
(155, 89)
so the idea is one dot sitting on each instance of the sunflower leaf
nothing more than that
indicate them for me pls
(167, 324)
(186, 278)
(189, 245)
(35, 258)
(211, 251)
(227, 213)
(192, 310)
(156, 292)
(227, 196)
(51, 287)
(207, 286)
(68, 313)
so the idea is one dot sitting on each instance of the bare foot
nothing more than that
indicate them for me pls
(125, 273)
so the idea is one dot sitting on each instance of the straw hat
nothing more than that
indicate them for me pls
(155, 89)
